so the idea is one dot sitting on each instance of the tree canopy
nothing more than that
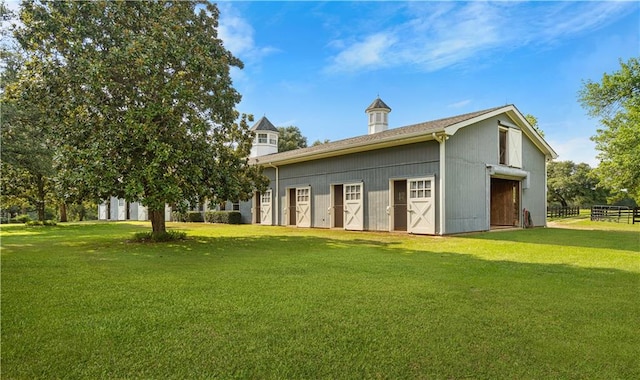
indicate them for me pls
(570, 183)
(142, 100)
(534, 123)
(27, 153)
(290, 138)
(615, 100)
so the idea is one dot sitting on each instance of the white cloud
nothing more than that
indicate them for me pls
(579, 149)
(570, 18)
(238, 35)
(459, 104)
(370, 52)
(439, 35)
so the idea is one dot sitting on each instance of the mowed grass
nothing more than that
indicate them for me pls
(79, 301)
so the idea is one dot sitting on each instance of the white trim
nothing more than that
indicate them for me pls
(505, 172)
(389, 209)
(277, 196)
(452, 129)
(442, 181)
(509, 111)
(507, 124)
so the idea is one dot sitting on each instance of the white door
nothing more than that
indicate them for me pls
(303, 206)
(143, 213)
(102, 211)
(353, 207)
(514, 140)
(265, 208)
(122, 209)
(421, 206)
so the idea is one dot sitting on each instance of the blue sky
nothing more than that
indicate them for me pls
(318, 65)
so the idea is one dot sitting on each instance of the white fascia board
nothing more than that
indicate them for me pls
(452, 129)
(514, 114)
(531, 132)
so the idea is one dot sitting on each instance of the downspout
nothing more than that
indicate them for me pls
(277, 194)
(546, 189)
(442, 181)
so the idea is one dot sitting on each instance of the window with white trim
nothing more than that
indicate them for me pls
(302, 195)
(420, 189)
(510, 147)
(262, 138)
(352, 192)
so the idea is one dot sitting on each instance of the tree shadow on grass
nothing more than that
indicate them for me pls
(618, 240)
(311, 293)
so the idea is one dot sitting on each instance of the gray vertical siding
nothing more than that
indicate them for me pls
(374, 169)
(467, 154)
(534, 198)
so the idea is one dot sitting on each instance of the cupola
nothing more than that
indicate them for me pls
(378, 113)
(266, 138)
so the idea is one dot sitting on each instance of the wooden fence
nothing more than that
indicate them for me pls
(616, 214)
(562, 212)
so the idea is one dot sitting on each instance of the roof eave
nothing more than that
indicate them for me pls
(355, 148)
(517, 117)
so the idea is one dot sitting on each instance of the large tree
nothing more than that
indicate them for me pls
(616, 102)
(142, 98)
(27, 153)
(290, 138)
(570, 183)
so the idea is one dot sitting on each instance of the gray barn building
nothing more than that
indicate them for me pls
(471, 172)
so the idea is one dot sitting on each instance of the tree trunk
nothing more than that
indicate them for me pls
(158, 225)
(63, 212)
(41, 209)
(41, 197)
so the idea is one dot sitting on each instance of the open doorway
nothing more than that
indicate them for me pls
(399, 206)
(257, 218)
(291, 207)
(505, 203)
(338, 206)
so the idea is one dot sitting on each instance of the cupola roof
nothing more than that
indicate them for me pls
(377, 104)
(264, 125)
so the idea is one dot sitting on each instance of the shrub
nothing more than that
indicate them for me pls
(150, 237)
(24, 218)
(34, 223)
(226, 217)
(195, 216)
(178, 216)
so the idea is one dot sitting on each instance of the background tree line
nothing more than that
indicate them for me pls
(135, 100)
(125, 99)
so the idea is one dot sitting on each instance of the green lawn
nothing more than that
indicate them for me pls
(79, 301)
